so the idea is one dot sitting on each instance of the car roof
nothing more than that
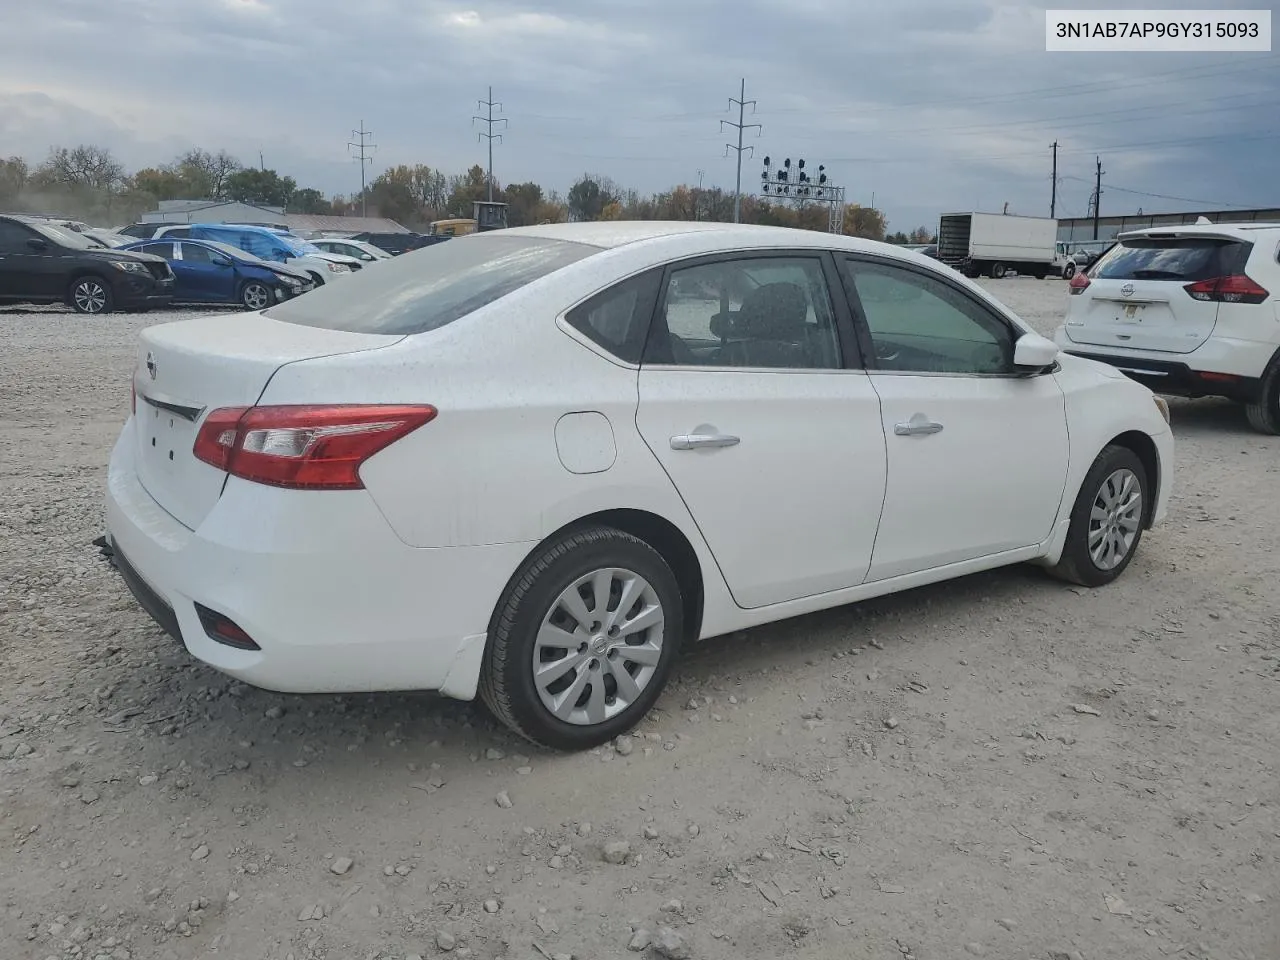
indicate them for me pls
(716, 236)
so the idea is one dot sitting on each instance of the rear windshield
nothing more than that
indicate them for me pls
(431, 287)
(1181, 259)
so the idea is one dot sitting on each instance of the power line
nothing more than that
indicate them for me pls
(740, 126)
(1166, 196)
(363, 157)
(489, 120)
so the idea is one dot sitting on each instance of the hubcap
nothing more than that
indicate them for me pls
(90, 297)
(1115, 519)
(598, 646)
(255, 297)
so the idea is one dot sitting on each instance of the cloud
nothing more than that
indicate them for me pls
(930, 104)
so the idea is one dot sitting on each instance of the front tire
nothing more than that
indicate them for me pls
(1106, 521)
(317, 280)
(255, 296)
(90, 296)
(998, 270)
(583, 640)
(1264, 410)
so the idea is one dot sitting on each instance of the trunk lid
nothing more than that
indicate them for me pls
(187, 369)
(1137, 297)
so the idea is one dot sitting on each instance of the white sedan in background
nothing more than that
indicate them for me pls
(357, 249)
(534, 463)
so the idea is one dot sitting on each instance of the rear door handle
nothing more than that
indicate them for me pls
(696, 441)
(918, 426)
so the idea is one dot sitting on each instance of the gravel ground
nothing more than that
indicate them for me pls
(1002, 766)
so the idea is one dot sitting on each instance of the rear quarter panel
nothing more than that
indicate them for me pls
(487, 469)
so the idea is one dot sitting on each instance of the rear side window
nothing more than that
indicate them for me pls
(1178, 259)
(617, 319)
(433, 287)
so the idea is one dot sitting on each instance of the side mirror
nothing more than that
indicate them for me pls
(1034, 352)
(220, 261)
(38, 244)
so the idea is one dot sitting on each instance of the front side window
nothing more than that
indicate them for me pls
(922, 324)
(771, 312)
(415, 294)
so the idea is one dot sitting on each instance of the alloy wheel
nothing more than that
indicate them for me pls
(256, 296)
(1115, 519)
(598, 647)
(89, 296)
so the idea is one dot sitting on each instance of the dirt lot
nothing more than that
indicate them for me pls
(1002, 766)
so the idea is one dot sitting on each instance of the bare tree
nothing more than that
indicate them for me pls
(85, 165)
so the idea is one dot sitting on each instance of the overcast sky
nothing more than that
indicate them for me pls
(930, 105)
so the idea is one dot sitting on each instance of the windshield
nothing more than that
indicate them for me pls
(67, 238)
(235, 253)
(432, 287)
(300, 248)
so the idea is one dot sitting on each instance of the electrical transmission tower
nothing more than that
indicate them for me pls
(489, 120)
(364, 157)
(742, 103)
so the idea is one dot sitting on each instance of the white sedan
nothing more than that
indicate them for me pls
(534, 463)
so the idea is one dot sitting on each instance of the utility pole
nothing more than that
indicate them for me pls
(697, 197)
(740, 126)
(489, 120)
(1097, 198)
(1053, 195)
(262, 164)
(363, 157)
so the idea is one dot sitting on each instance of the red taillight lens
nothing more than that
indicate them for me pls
(304, 447)
(1078, 283)
(1234, 289)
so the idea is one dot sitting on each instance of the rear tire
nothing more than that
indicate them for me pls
(590, 588)
(90, 295)
(1106, 521)
(1264, 411)
(998, 270)
(1068, 271)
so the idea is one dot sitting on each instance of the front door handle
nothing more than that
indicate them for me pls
(918, 426)
(697, 441)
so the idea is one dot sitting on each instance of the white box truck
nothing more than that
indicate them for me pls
(992, 244)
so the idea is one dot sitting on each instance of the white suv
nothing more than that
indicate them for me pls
(1190, 311)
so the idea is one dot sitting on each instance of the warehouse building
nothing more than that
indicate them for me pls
(1081, 228)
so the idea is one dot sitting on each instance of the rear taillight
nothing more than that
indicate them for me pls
(1078, 283)
(304, 447)
(1237, 288)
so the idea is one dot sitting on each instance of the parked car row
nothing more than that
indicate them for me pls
(45, 260)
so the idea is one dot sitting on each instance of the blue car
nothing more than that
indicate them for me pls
(212, 272)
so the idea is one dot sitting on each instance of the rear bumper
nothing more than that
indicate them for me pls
(1220, 367)
(334, 600)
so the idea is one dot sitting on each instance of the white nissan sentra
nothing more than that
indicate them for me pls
(534, 463)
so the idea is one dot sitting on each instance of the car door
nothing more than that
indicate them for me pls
(977, 451)
(210, 277)
(752, 399)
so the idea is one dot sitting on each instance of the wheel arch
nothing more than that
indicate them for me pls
(1144, 448)
(661, 534)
